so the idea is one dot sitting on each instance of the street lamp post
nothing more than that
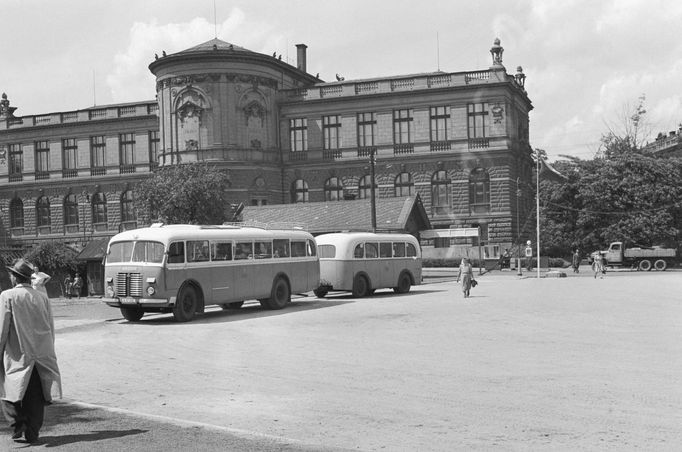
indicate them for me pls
(518, 231)
(373, 203)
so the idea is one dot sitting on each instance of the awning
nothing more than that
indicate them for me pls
(94, 250)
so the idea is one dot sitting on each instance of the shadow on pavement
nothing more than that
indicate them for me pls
(97, 435)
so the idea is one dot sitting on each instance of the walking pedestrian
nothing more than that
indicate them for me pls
(29, 376)
(598, 265)
(466, 273)
(576, 261)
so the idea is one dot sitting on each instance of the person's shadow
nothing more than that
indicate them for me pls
(95, 435)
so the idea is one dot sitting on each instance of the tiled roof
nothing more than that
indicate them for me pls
(393, 214)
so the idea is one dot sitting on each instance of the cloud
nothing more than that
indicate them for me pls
(131, 80)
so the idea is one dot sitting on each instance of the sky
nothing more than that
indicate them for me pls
(587, 63)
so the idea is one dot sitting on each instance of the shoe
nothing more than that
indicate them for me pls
(19, 432)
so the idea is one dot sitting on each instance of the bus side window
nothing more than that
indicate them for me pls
(281, 247)
(297, 249)
(198, 251)
(176, 253)
(359, 252)
(263, 250)
(222, 252)
(311, 248)
(371, 250)
(398, 249)
(243, 251)
(385, 249)
(411, 250)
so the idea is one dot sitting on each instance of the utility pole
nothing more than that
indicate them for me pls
(373, 202)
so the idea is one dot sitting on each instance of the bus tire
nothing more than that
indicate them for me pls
(360, 286)
(404, 283)
(320, 292)
(660, 265)
(644, 265)
(280, 295)
(132, 314)
(186, 304)
(233, 305)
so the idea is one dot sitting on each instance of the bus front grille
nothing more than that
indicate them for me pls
(129, 285)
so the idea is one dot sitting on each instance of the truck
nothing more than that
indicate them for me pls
(643, 259)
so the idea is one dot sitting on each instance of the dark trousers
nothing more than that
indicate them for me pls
(30, 412)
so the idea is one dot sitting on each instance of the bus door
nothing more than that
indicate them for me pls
(387, 274)
(244, 278)
(176, 271)
(222, 271)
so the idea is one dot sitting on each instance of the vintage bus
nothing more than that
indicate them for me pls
(184, 268)
(362, 262)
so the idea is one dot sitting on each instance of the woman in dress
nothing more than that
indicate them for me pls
(466, 273)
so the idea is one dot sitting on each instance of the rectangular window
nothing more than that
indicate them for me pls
(176, 253)
(97, 148)
(478, 121)
(281, 247)
(154, 148)
(69, 154)
(197, 251)
(366, 125)
(439, 123)
(127, 148)
(42, 158)
(385, 249)
(371, 250)
(221, 251)
(403, 126)
(298, 134)
(330, 131)
(263, 250)
(16, 160)
(398, 249)
(243, 250)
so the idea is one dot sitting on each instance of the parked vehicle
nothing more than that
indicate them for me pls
(362, 262)
(643, 259)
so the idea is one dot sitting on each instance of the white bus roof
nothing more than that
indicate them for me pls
(168, 233)
(344, 238)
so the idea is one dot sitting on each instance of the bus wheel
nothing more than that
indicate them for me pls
(185, 305)
(645, 265)
(404, 284)
(320, 292)
(360, 286)
(660, 265)
(233, 305)
(132, 314)
(280, 294)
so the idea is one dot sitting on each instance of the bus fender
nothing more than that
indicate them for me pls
(201, 304)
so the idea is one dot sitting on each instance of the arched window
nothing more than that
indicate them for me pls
(404, 185)
(365, 187)
(16, 213)
(479, 191)
(440, 193)
(333, 189)
(70, 210)
(99, 209)
(43, 212)
(127, 207)
(299, 191)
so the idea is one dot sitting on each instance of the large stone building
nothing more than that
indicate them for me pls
(458, 140)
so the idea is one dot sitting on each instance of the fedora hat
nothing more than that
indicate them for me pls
(22, 268)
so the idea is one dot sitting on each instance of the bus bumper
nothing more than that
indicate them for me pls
(140, 302)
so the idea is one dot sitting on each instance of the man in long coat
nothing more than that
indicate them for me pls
(30, 375)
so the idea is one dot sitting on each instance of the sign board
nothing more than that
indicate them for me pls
(446, 233)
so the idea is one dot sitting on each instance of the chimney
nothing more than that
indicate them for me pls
(300, 57)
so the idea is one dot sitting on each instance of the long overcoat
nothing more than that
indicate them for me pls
(27, 341)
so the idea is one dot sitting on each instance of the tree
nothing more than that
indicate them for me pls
(57, 260)
(191, 193)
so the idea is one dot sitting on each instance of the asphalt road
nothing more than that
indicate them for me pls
(572, 363)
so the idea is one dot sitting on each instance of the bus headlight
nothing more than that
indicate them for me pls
(110, 291)
(150, 290)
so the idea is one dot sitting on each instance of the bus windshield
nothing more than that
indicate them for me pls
(142, 251)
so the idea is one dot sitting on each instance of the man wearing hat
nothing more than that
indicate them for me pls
(29, 375)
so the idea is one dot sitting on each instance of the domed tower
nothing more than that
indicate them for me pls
(218, 102)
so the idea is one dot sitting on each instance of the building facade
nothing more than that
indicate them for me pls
(458, 140)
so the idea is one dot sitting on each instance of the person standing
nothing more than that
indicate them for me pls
(576, 261)
(78, 284)
(598, 265)
(68, 286)
(39, 280)
(466, 273)
(30, 374)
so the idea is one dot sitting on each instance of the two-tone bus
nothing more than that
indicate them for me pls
(184, 268)
(362, 262)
